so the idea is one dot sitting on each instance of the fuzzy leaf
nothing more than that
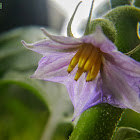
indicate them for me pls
(125, 19)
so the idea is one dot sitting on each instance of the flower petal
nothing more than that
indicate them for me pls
(53, 67)
(117, 91)
(124, 62)
(48, 46)
(83, 94)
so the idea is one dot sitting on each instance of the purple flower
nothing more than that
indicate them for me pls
(91, 68)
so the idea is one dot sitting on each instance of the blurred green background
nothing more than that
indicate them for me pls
(29, 108)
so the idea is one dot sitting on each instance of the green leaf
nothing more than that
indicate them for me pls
(22, 113)
(116, 3)
(22, 79)
(125, 19)
(124, 133)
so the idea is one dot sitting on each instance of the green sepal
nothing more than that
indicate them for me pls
(69, 32)
(106, 25)
(116, 3)
(97, 123)
(123, 133)
(125, 19)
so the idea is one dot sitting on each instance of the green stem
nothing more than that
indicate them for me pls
(133, 51)
(97, 123)
(89, 19)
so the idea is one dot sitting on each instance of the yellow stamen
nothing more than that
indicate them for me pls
(78, 73)
(84, 56)
(89, 60)
(95, 69)
(70, 68)
(88, 76)
(75, 60)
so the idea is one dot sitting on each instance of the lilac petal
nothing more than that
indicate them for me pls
(124, 62)
(48, 46)
(117, 91)
(69, 44)
(134, 82)
(83, 94)
(53, 67)
(62, 39)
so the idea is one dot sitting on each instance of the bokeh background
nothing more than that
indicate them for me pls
(31, 109)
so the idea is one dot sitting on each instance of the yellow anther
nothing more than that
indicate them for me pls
(75, 60)
(88, 76)
(85, 54)
(95, 69)
(78, 73)
(70, 68)
(91, 60)
(88, 59)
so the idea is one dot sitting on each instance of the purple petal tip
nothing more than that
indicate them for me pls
(45, 32)
(32, 76)
(24, 43)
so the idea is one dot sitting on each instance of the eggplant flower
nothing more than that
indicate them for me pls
(91, 68)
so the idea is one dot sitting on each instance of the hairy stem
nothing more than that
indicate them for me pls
(97, 123)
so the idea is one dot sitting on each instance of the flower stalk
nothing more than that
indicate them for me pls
(133, 51)
(97, 123)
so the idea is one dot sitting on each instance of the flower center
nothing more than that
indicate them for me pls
(88, 58)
